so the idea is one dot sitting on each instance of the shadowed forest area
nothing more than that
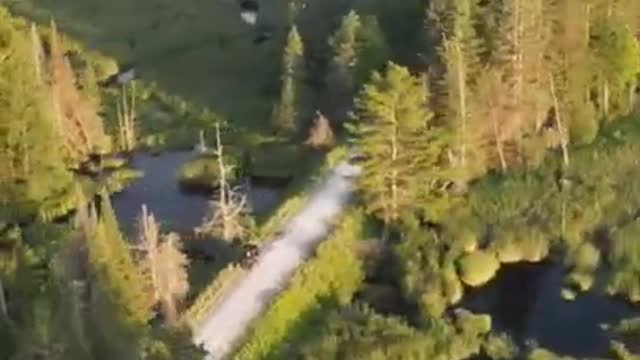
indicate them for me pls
(150, 150)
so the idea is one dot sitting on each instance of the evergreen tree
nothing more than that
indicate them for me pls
(617, 62)
(394, 133)
(31, 163)
(571, 69)
(121, 299)
(286, 114)
(358, 47)
(78, 120)
(460, 55)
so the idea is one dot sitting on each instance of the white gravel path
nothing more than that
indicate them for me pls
(227, 323)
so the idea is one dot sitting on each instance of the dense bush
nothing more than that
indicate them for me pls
(625, 262)
(359, 333)
(478, 267)
(500, 347)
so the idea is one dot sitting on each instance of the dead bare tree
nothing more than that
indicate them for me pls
(173, 279)
(229, 213)
(126, 112)
(320, 134)
(164, 263)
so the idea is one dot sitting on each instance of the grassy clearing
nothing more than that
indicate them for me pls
(197, 49)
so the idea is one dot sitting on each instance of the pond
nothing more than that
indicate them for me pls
(176, 209)
(524, 301)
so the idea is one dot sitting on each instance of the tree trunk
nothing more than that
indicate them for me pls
(605, 98)
(499, 147)
(37, 53)
(169, 311)
(222, 184)
(463, 105)
(563, 133)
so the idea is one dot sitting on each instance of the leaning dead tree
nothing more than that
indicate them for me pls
(126, 112)
(229, 216)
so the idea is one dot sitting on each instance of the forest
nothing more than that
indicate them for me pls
(497, 215)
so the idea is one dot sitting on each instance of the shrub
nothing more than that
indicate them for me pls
(203, 171)
(583, 127)
(468, 322)
(586, 257)
(582, 281)
(478, 267)
(543, 354)
(500, 347)
(625, 262)
(275, 160)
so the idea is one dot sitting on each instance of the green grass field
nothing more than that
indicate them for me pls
(196, 49)
(200, 50)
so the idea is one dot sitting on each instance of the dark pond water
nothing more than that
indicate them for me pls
(175, 208)
(524, 301)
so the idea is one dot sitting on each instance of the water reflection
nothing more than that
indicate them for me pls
(175, 208)
(524, 301)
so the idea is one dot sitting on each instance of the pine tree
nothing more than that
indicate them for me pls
(78, 120)
(340, 75)
(358, 48)
(31, 163)
(460, 54)
(118, 277)
(286, 114)
(393, 131)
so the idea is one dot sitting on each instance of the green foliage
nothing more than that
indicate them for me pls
(120, 178)
(624, 258)
(334, 273)
(428, 274)
(625, 335)
(478, 267)
(359, 333)
(203, 170)
(277, 160)
(392, 129)
(568, 294)
(500, 347)
(584, 125)
(617, 51)
(118, 278)
(29, 144)
(286, 114)
(543, 354)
